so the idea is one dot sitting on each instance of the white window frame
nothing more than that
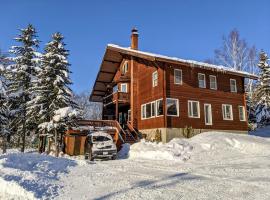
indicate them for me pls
(153, 103)
(125, 67)
(224, 109)
(191, 109)
(158, 100)
(177, 107)
(203, 80)
(212, 76)
(211, 116)
(155, 79)
(244, 113)
(181, 76)
(143, 111)
(235, 88)
(121, 87)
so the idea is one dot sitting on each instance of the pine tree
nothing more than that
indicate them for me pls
(263, 92)
(54, 98)
(4, 110)
(22, 72)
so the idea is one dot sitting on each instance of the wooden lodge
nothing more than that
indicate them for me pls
(155, 94)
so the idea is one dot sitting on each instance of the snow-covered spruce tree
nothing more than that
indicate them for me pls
(21, 73)
(263, 92)
(54, 98)
(4, 109)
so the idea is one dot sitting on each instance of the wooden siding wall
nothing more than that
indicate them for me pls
(147, 93)
(189, 90)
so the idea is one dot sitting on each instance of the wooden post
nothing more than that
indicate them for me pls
(164, 97)
(116, 107)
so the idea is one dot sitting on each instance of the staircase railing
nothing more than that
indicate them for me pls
(131, 128)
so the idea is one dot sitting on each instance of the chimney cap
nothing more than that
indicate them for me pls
(134, 30)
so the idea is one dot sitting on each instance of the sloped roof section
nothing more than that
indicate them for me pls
(113, 57)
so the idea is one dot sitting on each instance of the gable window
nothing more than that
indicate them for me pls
(194, 109)
(159, 107)
(123, 87)
(172, 107)
(125, 68)
(227, 112)
(233, 85)
(242, 115)
(201, 79)
(155, 79)
(213, 82)
(208, 114)
(178, 76)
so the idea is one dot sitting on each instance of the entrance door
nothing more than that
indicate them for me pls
(208, 114)
(120, 118)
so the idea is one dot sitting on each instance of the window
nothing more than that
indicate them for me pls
(242, 115)
(213, 82)
(148, 110)
(123, 87)
(208, 114)
(115, 88)
(153, 109)
(227, 112)
(155, 79)
(178, 76)
(233, 85)
(194, 109)
(143, 111)
(125, 68)
(172, 106)
(201, 79)
(159, 107)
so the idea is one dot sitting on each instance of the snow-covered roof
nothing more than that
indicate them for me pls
(193, 63)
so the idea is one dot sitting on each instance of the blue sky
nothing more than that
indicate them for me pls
(189, 29)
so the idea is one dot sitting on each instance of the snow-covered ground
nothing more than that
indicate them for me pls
(207, 166)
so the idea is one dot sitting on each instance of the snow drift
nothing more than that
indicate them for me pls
(176, 149)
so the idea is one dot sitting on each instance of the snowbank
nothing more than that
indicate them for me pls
(31, 175)
(176, 149)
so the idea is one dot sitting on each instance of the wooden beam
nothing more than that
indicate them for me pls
(111, 61)
(103, 81)
(106, 72)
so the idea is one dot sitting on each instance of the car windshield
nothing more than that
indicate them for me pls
(100, 139)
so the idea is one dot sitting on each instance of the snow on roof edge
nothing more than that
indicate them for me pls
(192, 62)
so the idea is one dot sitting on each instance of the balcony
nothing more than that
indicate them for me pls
(121, 97)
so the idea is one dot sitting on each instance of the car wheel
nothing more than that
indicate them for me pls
(114, 157)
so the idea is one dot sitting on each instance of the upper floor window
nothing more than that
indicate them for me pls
(125, 68)
(194, 109)
(123, 87)
(155, 79)
(172, 107)
(201, 79)
(227, 112)
(213, 82)
(242, 115)
(178, 76)
(233, 85)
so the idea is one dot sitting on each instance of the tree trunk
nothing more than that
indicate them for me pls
(4, 144)
(56, 143)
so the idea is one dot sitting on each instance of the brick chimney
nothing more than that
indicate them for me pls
(134, 39)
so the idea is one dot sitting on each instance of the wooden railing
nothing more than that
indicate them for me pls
(104, 123)
(120, 96)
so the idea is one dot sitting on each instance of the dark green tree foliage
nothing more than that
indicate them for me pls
(22, 72)
(263, 92)
(53, 95)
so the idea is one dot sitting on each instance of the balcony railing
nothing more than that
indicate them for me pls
(122, 97)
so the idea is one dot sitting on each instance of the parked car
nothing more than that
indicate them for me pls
(100, 145)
